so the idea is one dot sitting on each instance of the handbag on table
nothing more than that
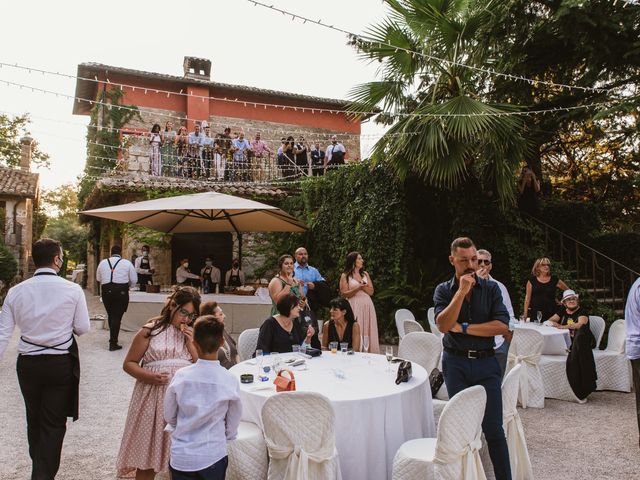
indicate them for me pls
(436, 379)
(284, 384)
(404, 372)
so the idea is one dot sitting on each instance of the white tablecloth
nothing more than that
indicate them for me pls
(556, 340)
(374, 416)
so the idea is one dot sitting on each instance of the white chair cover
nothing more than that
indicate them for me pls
(247, 342)
(411, 326)
(526, 348)
(597, 326)
(431, 318)
(422, 348)
(401, 315)
(612, 365)
(553, 369)
(299, 430)
(454, 454)
(248, 458)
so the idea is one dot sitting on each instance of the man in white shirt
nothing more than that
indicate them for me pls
(632, 323)
(144, 269)
(202, 409)
(184, 275)
(48, 310)
(334, 154)
(115, 275)
(502, 344)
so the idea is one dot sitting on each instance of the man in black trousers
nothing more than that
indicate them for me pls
(48, 310)
(115, 274)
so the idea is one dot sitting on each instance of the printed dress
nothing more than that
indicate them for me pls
(145, 445)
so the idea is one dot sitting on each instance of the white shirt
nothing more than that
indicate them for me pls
(123, 273)
(144, 271)
(202, 409)
(47, 309)
(632, 321)
(338, 147)
(182, 274)
(506, 300)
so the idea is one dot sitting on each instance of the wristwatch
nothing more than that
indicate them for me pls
(465, 325)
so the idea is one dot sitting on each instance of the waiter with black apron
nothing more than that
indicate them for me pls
(144, 270)
(115, 274)
(48, 310)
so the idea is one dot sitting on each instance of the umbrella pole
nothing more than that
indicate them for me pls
(240, 249)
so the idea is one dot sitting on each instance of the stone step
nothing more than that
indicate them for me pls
(614, 301)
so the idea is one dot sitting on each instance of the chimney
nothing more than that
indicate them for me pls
(197, 68)
(26, 148)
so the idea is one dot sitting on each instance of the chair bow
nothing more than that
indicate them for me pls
(298, 464)
(469, 455)
(517, 443)
(526, 361)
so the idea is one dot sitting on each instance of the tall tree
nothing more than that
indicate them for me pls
(12, 129)
(445, 125)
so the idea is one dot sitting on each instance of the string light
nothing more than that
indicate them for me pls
(421, 115)
(397, 48)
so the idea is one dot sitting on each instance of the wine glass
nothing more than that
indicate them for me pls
(389, 355)
(539, 317)
(365, 343)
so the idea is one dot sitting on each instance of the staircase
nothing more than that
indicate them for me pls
(605, 278)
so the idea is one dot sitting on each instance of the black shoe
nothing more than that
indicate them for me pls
(114, 346)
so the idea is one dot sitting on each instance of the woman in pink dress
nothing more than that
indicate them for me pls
(158, 350)
(356, 285)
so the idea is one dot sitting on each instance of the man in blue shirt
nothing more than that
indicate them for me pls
(470, 312)
(303, 271)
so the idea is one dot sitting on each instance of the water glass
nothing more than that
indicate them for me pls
(365, 343)
(295, 348)
(333, 346)
(344, 347)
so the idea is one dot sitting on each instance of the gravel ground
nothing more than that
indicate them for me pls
(598, 440)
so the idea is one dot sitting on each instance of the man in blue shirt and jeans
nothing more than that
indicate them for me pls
(470, 312)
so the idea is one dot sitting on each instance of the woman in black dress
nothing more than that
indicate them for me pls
(281, 331)
(342, 327)
(541, 291)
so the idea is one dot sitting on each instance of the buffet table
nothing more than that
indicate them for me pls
(373, 415)
(242, 311)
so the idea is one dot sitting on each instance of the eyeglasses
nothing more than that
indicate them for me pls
(571, 299)
(186, 313)
(484, 262)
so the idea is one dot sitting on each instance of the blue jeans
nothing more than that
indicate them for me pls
(217, 471)
(501, 355)
(460, 373)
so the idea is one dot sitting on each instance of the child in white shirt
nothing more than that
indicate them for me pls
(202, 409)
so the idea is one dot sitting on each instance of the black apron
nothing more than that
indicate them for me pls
(208, 285)
(115, 294)
(75, 362)
(143, 278)
(234, 280)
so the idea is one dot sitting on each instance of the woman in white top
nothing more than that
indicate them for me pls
(155, 143)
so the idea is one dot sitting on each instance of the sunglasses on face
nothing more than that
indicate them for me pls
(183, 312)
(484, 262)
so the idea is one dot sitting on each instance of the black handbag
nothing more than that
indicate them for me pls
(404, 372)
(436, 379)
(313, 352)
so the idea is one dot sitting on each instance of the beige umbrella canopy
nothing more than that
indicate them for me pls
(202, 212)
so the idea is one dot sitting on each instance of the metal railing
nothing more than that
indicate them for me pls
(605, 278)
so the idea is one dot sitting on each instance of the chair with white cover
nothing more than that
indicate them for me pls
(454, 454)
(423, 348)
(513, 430)
(299, 429)
(597, 326)
(553, 369)
(612, 364)
(431, 318)
(411, 326)
(247, 343)
(248, 458)
(401, 315)
(526, 349)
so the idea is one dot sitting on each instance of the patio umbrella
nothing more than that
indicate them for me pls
(202, 212)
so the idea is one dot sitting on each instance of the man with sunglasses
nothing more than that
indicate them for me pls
(502, 342)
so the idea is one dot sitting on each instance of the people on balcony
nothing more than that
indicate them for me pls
(223, 149)
(182, 150)
(240, 150)
(169, 162)
(155, 143)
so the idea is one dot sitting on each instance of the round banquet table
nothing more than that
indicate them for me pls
(555, 340)
(373, 415)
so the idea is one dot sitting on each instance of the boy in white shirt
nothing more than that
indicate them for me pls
(202, 409)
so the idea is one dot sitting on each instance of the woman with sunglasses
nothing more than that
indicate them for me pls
(541, 291)
(159, 349)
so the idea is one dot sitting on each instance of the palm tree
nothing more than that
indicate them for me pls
(443, 128)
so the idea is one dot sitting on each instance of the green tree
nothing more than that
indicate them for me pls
(8, 269)
(446, 126)
(63, 224)
(12, 129)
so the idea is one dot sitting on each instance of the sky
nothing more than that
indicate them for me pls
(247, 45)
